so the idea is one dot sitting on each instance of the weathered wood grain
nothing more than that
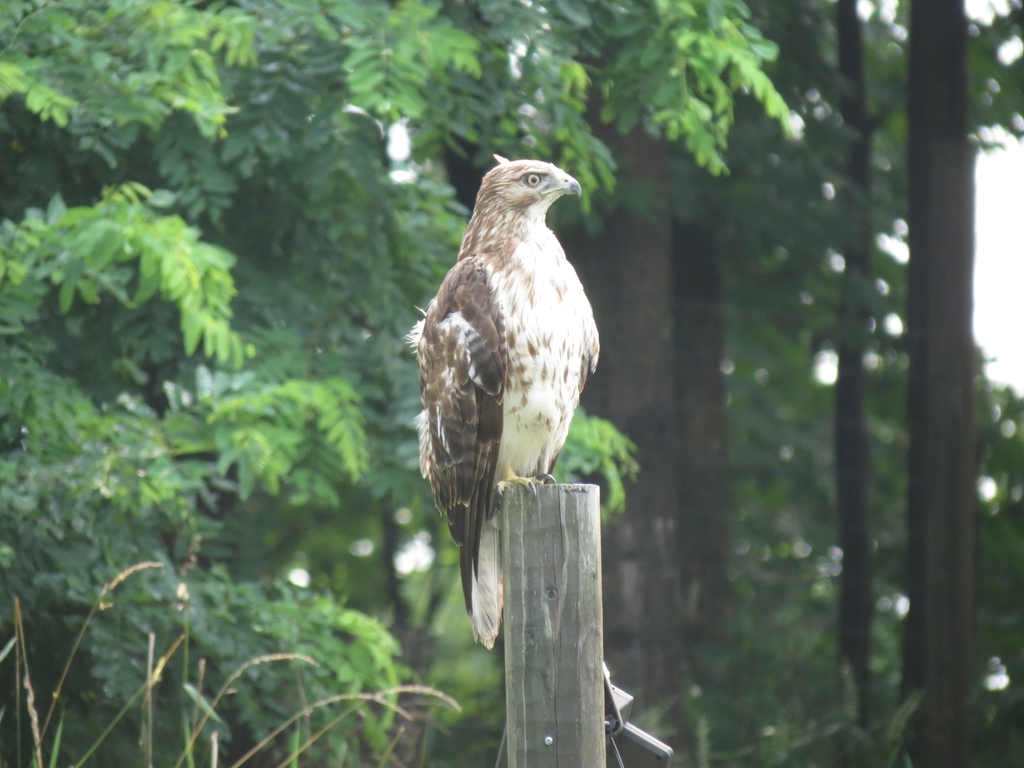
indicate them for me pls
(551, 564)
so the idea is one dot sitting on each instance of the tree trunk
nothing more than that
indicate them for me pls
(938, 644)
(853, 463)
(703, 456)
(627, 271)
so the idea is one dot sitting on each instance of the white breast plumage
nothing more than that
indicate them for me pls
(550, 333)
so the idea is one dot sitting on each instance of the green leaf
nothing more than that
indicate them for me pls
(12, 79)
(575, 11)
(595, 446)
(67, 296)
(56, 209)
(716, 14)
(199, 699)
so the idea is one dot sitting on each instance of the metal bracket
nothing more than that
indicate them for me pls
(615, 701)
(638, 749)
(627, 744)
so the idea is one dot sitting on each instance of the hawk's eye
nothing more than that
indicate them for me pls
(532, 180)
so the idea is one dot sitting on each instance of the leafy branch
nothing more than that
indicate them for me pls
(82, 250)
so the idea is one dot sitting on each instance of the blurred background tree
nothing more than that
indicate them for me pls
(218, 220)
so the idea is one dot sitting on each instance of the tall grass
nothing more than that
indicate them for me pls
(203, 709)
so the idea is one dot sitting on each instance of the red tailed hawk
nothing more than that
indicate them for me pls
(504, 351)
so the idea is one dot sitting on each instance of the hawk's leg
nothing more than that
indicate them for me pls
(510, 478)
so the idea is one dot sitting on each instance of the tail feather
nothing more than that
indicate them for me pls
(487, 588)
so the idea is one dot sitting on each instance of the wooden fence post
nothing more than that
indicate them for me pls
(554, 684)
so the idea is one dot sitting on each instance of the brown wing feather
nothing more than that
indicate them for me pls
(462, 360)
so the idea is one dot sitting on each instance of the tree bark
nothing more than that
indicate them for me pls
(627, 271)
(703, 456)
(853, 462)
(938, 644)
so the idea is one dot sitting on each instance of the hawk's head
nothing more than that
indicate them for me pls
(524, 186)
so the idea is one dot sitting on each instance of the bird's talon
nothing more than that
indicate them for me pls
(546, 479)
(523, 482)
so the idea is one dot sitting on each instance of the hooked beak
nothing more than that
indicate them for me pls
(571, 185)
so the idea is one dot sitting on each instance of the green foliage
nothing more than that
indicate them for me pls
(124, 62)
(595, 446)
(206, 275)
(394, 53)
(771, 689)
(82, 249)
(267, 431)
(1001, 539)
(687, 72)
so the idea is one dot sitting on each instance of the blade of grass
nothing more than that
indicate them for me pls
(293, 761)
(202, 703)
(360, 699)
(391, 747)
(55, 749)
(30, 694)
(7, 648)
(99, 605)
(199, 691)
(183, 595)
(270, 736)
(214, 748)
(149, 700)
(421, 763)
(303, 700)
(234, 676)
(159, 671)
(142, 689)
(309, 742)
(110, 726)
(186, 732)
(17, 696)
(33, 714)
